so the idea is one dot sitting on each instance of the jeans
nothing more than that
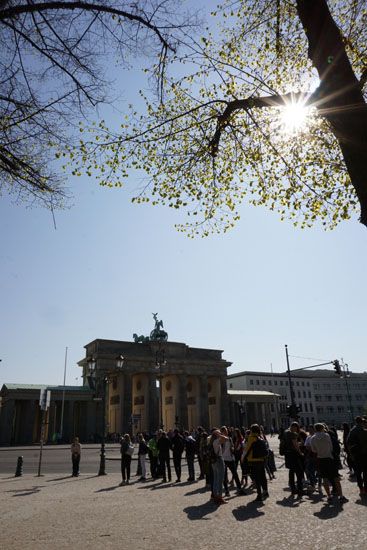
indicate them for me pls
(177, 464)
(259, 477)
(190, 464)
(125, 467)
(142, 465)
(293, 461)
(230, 465)
(218, 476)
(164, 461)
(75, 460)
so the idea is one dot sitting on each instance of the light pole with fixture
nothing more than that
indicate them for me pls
(102, 377)
(160, 361)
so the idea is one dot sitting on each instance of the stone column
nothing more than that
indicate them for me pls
(224, 406)
(203, 404)
(6, 422)
(126, 408)
(28, 417)
(182, 401)
(152, 405)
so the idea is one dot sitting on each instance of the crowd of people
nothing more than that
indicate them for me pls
(239, 458)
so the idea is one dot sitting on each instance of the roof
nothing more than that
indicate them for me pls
(251, 393)
(45, 387)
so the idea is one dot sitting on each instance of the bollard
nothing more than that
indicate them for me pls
(19, 470)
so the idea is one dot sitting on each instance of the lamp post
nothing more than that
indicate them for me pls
(345, 374)
(160, 362)
(293, 409)
(102, 377)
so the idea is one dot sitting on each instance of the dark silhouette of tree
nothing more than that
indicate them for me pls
(52, 56)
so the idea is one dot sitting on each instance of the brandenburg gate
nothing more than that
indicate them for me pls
(152, 382)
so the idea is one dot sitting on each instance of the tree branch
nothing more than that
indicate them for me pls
(13, 11)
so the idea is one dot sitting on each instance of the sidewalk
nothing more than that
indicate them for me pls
(61, 512)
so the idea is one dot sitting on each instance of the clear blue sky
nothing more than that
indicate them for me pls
(110, 264)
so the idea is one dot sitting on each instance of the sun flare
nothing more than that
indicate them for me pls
(294, 117)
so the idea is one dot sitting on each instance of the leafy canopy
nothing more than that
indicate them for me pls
(193, 158)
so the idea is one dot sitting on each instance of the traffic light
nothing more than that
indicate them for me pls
(293, 410)
(337, 367)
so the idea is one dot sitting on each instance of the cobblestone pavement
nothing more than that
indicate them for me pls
(91, 512)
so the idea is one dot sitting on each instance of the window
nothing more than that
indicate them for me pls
(304, 393)
(264, 382)
(297, 383)
(309, 394)
(328, 398)
(286, 382)
(257, 382)
(340, 409)
(311, 408)
(230, 386)
(303, 383)
(339, 397)
(281, 382)
(308, 384)
(320, 409)
(251, 382)
(299, 394)
(270, 383)
(306, 407)
(330, 409)
(275, 382)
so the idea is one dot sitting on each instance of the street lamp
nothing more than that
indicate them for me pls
(97, 378)
(345, 374)
(160, 361)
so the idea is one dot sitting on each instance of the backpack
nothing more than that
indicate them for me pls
(260, 448)
(209, 454)
(282, 447)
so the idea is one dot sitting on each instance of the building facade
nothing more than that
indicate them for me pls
(21, 417)
(185, 389)
(321, 395)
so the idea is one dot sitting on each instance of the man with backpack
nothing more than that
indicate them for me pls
(357, 446)
(256, 452)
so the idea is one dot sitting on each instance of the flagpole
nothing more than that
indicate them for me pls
(63, 396)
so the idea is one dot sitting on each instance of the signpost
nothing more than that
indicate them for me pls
(45, 398)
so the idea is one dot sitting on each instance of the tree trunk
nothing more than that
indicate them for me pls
(340, 99)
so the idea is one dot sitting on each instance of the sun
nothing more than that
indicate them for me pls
(294, 117)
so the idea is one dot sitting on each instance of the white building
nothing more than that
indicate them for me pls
(321, 395)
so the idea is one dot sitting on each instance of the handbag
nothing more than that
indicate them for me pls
(130, 450)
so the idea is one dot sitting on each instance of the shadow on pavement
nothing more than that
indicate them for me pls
(199, 512)
(71, 479)
(59, 478)
(107, 489)
(289, 502)
(26, 492)
(249, 511)
(197, 491)
(328, 512)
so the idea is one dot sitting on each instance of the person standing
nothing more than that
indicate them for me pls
(217, 440)
(142, 455)
(76, 451)
(177, 446)
(357, 446)
(294, 458)
(153, 456)
(322, 445)
(190, 448)
(256, 452)
(164, 445)
(229, 463)
(126, 450)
